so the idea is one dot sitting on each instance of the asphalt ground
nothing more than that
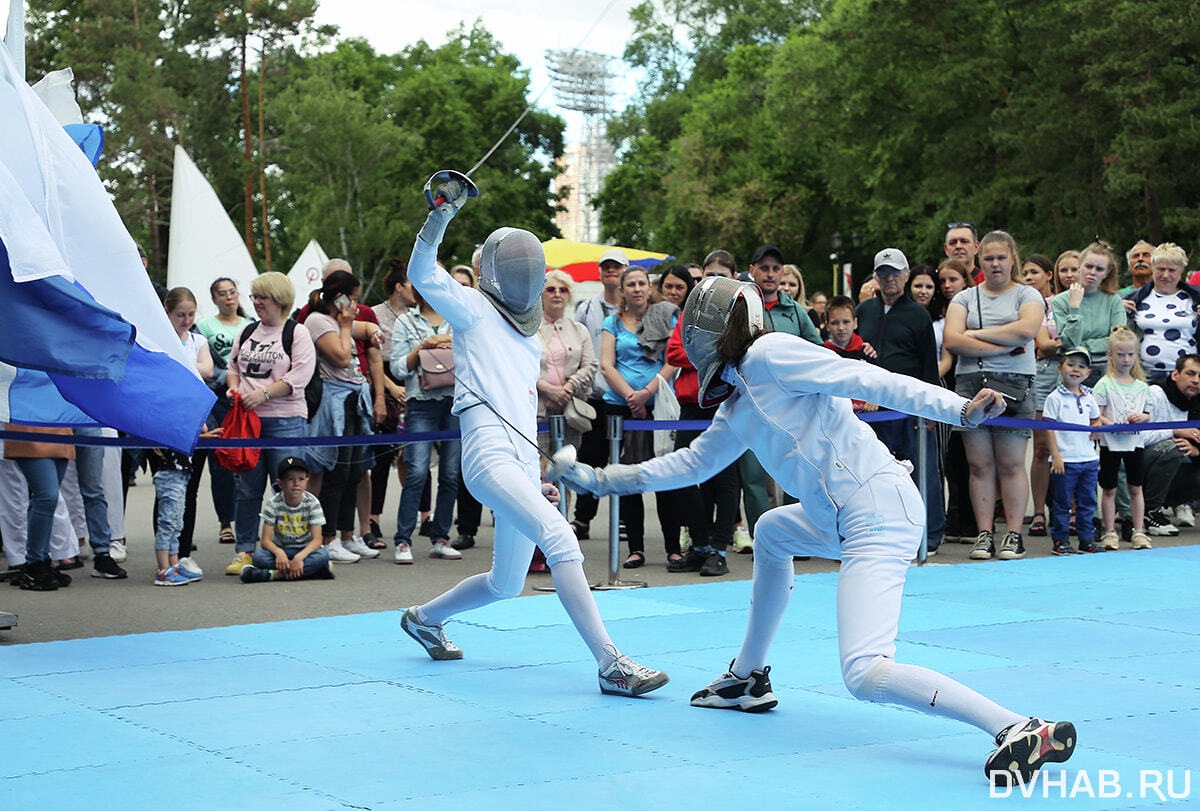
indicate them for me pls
(93, 607)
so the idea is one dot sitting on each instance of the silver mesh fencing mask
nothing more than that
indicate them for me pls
(512, 274)
(705, 314)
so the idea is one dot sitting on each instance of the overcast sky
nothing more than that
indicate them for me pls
(525, 28)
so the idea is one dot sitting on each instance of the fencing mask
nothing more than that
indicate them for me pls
(512, 274)
(705, 314)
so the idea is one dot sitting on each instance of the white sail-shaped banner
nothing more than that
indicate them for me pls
(204, 244)
(306, 273)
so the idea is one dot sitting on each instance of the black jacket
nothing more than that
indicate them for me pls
(903, 337)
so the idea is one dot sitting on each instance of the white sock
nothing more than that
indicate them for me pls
(769, 596)
(470, 593)
(931, 692)
(576, 597)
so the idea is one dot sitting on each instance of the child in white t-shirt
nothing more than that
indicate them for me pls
(1074, 462)
(1123, 397)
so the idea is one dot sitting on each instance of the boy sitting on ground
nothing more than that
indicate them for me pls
(290, 549)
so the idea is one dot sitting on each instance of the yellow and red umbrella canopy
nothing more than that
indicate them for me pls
(581, 260)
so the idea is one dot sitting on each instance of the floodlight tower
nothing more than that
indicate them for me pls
(581, 83)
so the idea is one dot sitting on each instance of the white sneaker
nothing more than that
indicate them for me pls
(1110, 540)
(625, 677)
(190, 566)
(443, 549)
(340, 554)
(359, 548)
(403, 553)
(116, 551)
(1184, 516)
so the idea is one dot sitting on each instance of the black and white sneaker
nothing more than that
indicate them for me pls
(1157, 523)
(431, 637)
(1025, 746)
(625, 677)
(1011, 546)
(730, 692)
(985, 546)
(104, 566)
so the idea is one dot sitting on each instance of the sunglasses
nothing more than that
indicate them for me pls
(557, 290)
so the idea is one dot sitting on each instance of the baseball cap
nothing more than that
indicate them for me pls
(614, 255)
(290, 463)
(763, 250)
(891, 258)
(1076, 350)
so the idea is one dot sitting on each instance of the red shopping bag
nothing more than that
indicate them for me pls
(239, 423)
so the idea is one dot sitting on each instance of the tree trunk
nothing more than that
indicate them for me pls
(247, 198)
(262, 161)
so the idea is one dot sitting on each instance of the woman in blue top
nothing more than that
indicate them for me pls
(633, 373)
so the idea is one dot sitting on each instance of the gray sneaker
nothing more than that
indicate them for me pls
(625, 677)
(985, 546)
(432, 637)
(1011, 546)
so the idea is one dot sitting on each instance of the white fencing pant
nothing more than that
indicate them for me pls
(880, 528)
(505, 477)
(14, 504)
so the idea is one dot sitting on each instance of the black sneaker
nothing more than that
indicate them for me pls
(1011, 546)
(427, 528)
(714, 566)
(1063, 548)
(253, 574)
(62, 578)
(692, 561)
(985, 546)
(730, 692)
(1157, 523)
(1089, 547)
(1025, 746)
(581, 530)
(38, 576)
(324, 574)
(463, 542)
(104, 566)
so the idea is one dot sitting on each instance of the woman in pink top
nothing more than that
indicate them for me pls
(271, 383)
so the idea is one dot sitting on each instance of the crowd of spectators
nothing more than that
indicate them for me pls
(1058, 339)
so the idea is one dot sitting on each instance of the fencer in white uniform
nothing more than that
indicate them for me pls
(789, 402)
(496, 364)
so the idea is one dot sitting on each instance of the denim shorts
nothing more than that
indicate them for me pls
(968, 385)
(1045, 381)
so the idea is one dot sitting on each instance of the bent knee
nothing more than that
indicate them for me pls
(505, 588)
(864, 674)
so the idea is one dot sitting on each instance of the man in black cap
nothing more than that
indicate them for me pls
(783, 312)
(290, 548)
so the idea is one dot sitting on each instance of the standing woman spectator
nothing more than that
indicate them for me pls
(922, 288)
(1086, 312)
(1066, 270)
(399, 298)
(43, 465)
(818, 302)
(991, 329)
(220, 331)
(346, 409)
(270, 380)
(568, 362)
(1164, 312)
(427, 410)
(633, 374)
(952, 278)
(792, 283)
(1038, 273)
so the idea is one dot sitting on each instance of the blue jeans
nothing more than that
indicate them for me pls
(900, 437)
(170, 490)
(429, 415)
(1078, 479)
(313, 563)
(252, 484)
(43, 477)
(89, 464)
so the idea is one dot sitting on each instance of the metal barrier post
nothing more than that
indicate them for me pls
(558, 438)
(616, 429)
(922, 462)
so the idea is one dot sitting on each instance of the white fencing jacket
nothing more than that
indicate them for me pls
(491, 359)
(791, 406)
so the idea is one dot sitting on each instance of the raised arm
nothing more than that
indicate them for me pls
(459, 305)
